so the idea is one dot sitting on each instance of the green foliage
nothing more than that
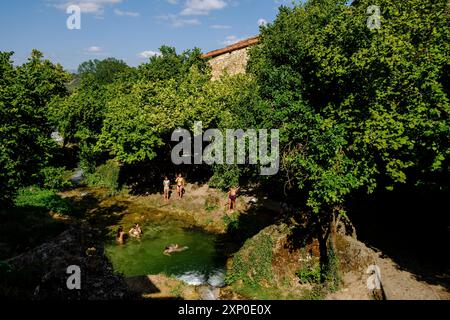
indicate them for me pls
(253, 263)
(25, 127)
(139, 122)
(103, 72)
(105, 176)
(55, 178)
(225, 176)
(170, 65)
(357, 108)
(47, 200)
(231, 221)
(310, 272)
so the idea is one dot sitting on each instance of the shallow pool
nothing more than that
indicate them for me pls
(201, 264)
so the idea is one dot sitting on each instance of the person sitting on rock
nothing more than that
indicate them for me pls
(136, 231)
(174, 248)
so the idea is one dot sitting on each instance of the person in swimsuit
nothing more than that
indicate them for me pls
(180, 185)
(232, 196)
(166, 185)
(135, 232)
(120, 236)
(174, 248)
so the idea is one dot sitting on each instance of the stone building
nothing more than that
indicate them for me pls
(232, 59)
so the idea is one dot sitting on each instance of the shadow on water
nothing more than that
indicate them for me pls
(411, 226)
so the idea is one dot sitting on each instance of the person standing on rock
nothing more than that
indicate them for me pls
(180, 185)
(166, 185)
(232, 196)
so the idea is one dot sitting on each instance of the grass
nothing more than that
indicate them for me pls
(252, 267)
(42, 199)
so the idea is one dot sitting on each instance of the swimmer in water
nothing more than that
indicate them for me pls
(120, 236)
(135, 232)
(174, 248)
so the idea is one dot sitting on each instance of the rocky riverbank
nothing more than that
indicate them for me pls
(41, 273)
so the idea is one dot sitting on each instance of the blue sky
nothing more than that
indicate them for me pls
(127, 29)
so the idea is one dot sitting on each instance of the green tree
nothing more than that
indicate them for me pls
(25, 128)
(358, 108)
(103, 72)
(171, 65)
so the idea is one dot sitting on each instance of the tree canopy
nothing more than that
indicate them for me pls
(25, 127)
(358, 107)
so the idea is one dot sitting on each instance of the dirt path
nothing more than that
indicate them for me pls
(402, 285)
(397, 284)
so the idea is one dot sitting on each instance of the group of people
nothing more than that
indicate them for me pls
(180, 184)
(179, 181)
(135, 232)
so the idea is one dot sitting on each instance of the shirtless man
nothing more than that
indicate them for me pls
(174, 248)
(180, 185)
(232, 195)
(166, 185)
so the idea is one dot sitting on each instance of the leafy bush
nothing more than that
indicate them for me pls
(54, 178)
(225, 176)
(310, 272)
(106, 176)
(231, 221)
(44, 199)
(253, 263)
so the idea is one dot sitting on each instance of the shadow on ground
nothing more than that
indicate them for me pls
(411, 226)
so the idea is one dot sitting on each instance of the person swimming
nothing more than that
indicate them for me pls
(120, 236)
(173, 248)
(136, 231)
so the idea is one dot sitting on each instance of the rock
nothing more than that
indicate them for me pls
(51, 260)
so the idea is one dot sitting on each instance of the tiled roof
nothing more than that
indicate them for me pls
(239, 45)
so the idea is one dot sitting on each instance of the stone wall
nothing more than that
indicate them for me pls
(232, 63)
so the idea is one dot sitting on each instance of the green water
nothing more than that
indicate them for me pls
(200, 264)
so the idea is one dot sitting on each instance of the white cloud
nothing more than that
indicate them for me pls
(229, 40)
(94, 49)
(172, 1)
(262, 22)
(126, 13)
(219, 26)
(148, 54)
(178, 22)
(96, 7)
(202, 7)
